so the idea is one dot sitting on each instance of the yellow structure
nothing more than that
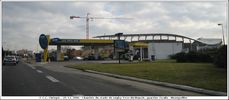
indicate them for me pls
(139, 44)
(46, 50)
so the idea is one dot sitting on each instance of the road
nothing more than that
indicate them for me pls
(56, 80)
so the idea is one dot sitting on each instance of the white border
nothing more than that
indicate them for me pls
(39, 97)
(122, 0)
(1, 47)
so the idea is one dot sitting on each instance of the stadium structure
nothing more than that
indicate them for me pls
(160, 45)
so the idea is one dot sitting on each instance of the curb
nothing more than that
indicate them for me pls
(171, 85)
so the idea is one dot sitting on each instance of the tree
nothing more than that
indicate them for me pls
(221, 57)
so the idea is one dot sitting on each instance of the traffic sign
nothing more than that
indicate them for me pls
(120, 44)
(43, 40)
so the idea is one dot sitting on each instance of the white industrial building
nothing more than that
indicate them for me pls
(163, 50)
(162, 45)
(207, 43)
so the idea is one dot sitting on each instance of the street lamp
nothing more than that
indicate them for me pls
(119, 37)
(222, 33)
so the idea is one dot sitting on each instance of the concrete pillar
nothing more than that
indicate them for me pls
(141, 53)
(59, 53)
(96, 52)
(125, 37)
(131, 39)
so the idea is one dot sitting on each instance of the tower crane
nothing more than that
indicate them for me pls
(88, 19)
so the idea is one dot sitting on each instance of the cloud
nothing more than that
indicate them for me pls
(23, 22)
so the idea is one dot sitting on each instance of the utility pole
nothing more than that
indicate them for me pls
(87, 26)
(119, 38)
(222, 33)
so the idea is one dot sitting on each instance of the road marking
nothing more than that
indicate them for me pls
(30, 66)
(52, 79)
(39, 71)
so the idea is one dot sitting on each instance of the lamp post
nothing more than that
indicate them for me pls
(119, 38)
(222, 33)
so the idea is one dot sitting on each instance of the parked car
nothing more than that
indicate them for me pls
(66, 58)
(17, 59)
(10, 60)
(91, 57)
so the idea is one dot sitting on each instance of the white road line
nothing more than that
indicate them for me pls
(39, 71)
(52, 79)
(31, 66)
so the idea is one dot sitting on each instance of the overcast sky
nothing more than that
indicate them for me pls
(23, 22)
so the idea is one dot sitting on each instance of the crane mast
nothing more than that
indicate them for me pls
(87, 26)
(88, 19)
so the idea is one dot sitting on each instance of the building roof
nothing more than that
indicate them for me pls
(210, 41)
(205, 41)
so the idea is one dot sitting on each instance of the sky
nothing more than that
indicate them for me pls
(23, 22)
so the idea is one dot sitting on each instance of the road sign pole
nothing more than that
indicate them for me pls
(119, 35)
(119, 57)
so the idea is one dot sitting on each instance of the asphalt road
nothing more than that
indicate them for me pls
(53, 79)
(24, 80)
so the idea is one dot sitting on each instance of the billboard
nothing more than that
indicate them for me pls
(120, 45)
(43, 40)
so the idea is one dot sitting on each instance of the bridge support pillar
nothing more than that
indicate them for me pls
(141, 53)
(190, 45)
(131, 39)
(58, 53)
(96, 52)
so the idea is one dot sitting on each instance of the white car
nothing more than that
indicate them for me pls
(78, 58)
(10, 60)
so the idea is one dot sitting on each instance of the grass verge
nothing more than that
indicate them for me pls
(202, 75)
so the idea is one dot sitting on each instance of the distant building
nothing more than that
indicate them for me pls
(162, 45)
(162, 50)
(75, 53)
(24, 52)
(207, 43)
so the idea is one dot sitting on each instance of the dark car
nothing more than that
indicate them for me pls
(91, 57)
(10, 60)
(66, 58)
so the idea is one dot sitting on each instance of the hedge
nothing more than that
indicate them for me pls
(221, 57)
(192, 57)
(216, 56)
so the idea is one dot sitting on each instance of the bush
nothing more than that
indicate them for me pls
(218, 56)
(204, 57)
(192, 57)
(221, 57)
(172, 56)
(180, 57)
